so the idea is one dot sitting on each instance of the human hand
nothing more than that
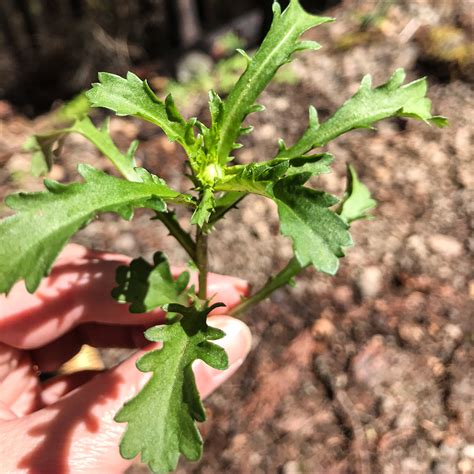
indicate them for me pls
(66, 424)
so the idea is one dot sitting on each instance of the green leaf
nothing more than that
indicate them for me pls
(357, 201)
(31, 239)
(319, 235)
(204, 209)
(367, 106)
(203, 158)
(257, 178)
(74, 109)
(146, 287)
(100, 137)
(314, 164)
(46, 146)
(162, 417)
(276, 50)
(250, 178)
(134, 97)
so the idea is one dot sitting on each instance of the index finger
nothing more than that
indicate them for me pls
(78, 291)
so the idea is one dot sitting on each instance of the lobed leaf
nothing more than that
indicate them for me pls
(281, 42)
(31, 239)
(203, 211)
(162, 417)
(258, 178)
(319, 235)
(46, 146)
(367, 106)
(357, 201)
(134, 97)
(146, 287)
(100, 137)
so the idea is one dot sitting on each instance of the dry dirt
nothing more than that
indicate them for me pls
(369, 371)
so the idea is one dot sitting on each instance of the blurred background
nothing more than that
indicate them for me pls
(366, 372)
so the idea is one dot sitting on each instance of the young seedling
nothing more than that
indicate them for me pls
(162, 417)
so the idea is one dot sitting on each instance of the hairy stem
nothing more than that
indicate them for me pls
(201, 261)
(175, 229)
(280, 279)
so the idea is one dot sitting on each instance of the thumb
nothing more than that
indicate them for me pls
(78, 433)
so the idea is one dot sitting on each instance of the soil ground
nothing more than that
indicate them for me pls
(368, 371)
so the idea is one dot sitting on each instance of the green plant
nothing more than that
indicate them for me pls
(316, 222)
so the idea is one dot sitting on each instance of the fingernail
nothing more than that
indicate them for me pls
(237, 341)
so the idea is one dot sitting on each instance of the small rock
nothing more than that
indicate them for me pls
(323, 329)
(468, 451)
(471, 289)
(266, 132)
(19, 162)
(411, 333)
(193, 65)
(453, 331)
(255, 459)
(416, 244)
(292, 467)
(125, 242)
(445, 245)
(370, 281)
(370, 362)
(465, 175)
(343, 295)
(432, 431)
(465, 466)
(292, 423)
(123, 128)
(436, 366)
(238, 442)
(281, 104)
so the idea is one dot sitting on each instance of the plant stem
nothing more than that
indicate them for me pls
(201, 261)
(280, 279)
(175, 229)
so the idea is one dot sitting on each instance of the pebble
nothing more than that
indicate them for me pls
(416, 243)
(445, 245)
(19, 162)
(123, 128)
(266, 132)
(436, 366)
(343, 295)
(125, 242)
(468, 451)
(281, 104)
(370, 281)
(411, 333)
(323, 329)
(292, 467)
(465, 466)
(453, 331)
(193, 65)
